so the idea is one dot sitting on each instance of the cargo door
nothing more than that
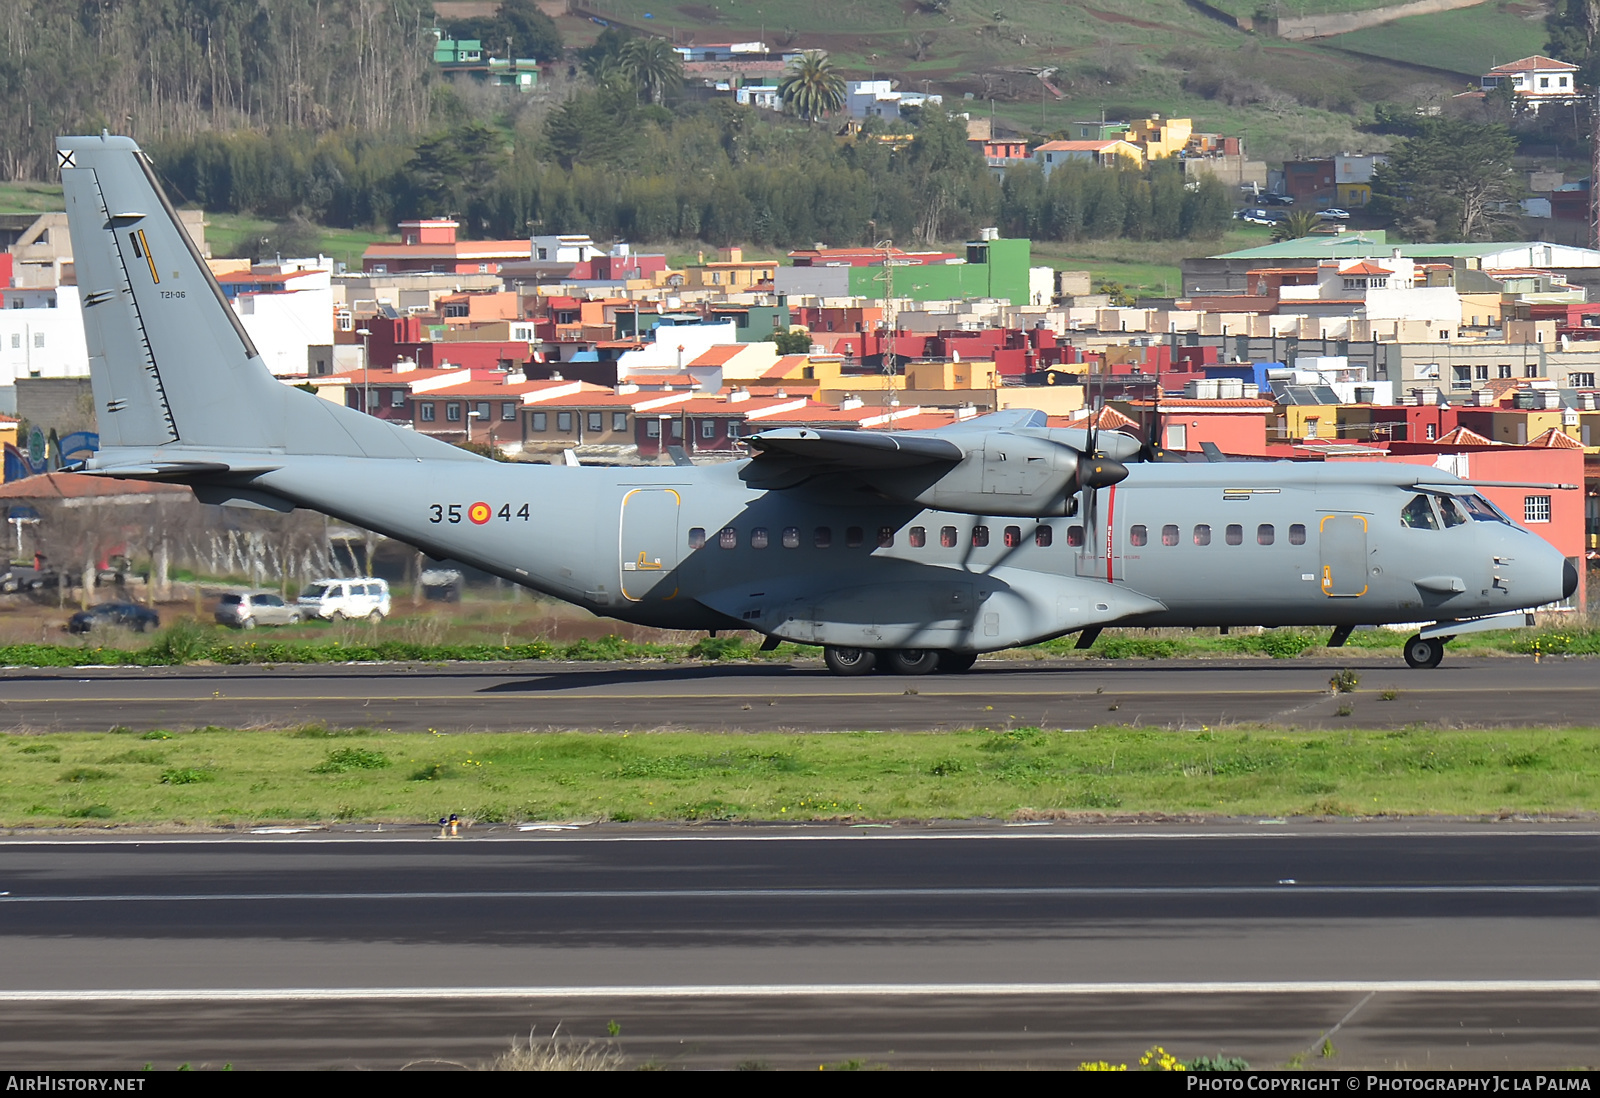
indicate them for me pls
(1343, 542)
(649, 547)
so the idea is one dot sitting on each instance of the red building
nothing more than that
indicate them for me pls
(431, 246)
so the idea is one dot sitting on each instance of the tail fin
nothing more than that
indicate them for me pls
(172, 367)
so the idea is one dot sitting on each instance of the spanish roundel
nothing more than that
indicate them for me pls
(480, 513)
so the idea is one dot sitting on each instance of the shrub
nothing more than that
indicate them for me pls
(187, 775)
(1135, 648)
(718, 648)
(1217, 1063)
(181, 642)
(85, 774)
(346, 759)
(1279, 644)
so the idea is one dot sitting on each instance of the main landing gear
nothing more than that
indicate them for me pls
(1424, 651)
(899, 661)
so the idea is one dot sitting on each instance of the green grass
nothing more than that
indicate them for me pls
(1146, 268)
(226, 231)
(1293, 9)
(224, 777)
(30, 197)
(1468, 40)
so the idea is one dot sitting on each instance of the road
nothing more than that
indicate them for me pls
(1425, 943)
(1470, 692)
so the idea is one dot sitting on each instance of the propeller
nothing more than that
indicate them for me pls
(1152, 450)
(1095, 471)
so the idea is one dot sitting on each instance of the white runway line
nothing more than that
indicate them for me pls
(790, 991)
(999, 893)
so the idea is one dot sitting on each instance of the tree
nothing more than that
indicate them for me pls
(653, 66)
(1452, 181)
(812, 89)
(795, 341)
(531, 31)
(1573, 27)
(1296, 225)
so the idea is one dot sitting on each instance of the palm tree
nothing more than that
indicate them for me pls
(812, 89)
(1298, 224)
(653, 65)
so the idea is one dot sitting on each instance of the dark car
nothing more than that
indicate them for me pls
(137, 618)
(1268, 198)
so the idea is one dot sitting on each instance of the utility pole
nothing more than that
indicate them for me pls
(1594, 172)
(887, 247)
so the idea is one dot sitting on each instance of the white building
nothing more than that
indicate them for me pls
(878, 99)
(1376, 289)
(565, 249)
(1536, 80)
(675, 346)
(764, 96)
(287, 309)
(41, 334)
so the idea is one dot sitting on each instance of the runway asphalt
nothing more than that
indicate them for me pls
(1425, 944)
(1464, 692)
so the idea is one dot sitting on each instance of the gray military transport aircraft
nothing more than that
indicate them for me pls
(910, 552)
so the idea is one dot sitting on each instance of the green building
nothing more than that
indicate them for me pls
(994, 268)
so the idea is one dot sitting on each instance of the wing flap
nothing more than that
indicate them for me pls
(855, 449)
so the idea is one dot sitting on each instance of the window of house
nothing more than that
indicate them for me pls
(483, 409)
(16, 341)
(539, 421)
(759, 538)
(677, 430)
(1536, 509)
(452, 412)
(1202, 534)
(1531, 370)
(1297, 534)
(595, 421)
(1480, 373)
(1043, 536)
(791, 537)
(1177, 436)
(38, 339)
(697, 537)
(822, 537)
(1265, 534)
(397, 398)
(1544, 81)
(374, 398)
(652, 428)
(1503, 370)
(1313, 425)
(980, 537)
(564, 422)
(727, 538)
(947, 536)
(733, 430)
(1138, 535)
(854, 536)
(1430, 432)
(1075, 536)
(508, 409)
(1461, 377)
(1169, 534)
(619, 421)
(1234, 534)
(1013, 536)
(1581, 381)
(917, 535)
(708, 428)
(426, 411)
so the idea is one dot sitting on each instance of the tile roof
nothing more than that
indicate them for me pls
(1366, 267)
(1461, 436)
(1079, 146)
(1537, 61)
(1554, 439)
(81, 486)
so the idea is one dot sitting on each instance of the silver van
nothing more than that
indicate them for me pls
(253, 608)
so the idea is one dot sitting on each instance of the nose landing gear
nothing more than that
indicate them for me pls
(1424, 651)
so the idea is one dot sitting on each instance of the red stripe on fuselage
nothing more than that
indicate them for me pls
(1111, 525)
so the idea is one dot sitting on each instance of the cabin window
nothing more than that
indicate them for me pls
(1169, 534)
(728, 538)
(1418, 514)
(980, 537)
(1138, 535)
(1075, 536)
(1043, 536)
(758, 537)
(1013, 536)
(918, 536)
(822, 537)
(1202, 534)
(853, 537)
(1536, 509)
(1297, 534)
(697, 537)
(1234, 534)
(947, 536)
(886, 537)
(1265, 534)
(791, 537)
(1453, 514)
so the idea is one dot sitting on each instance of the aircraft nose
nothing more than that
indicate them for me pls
(1569, 579)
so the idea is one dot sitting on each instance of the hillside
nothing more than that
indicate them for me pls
(1126, 57)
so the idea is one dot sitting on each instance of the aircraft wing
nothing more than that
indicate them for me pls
(855, 449)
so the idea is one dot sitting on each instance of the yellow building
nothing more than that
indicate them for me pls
(1158, 138)
(731, 275)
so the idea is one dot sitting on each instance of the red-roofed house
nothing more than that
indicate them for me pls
(432, 246)
(1107, 154)
(1537, 80)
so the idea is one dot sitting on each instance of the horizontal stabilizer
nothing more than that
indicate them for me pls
(180, 470)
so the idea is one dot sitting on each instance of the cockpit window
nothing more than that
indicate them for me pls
(1482, 510)
(1418, 514)
(1452, 512)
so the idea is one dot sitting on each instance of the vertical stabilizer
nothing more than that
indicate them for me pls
(171, 365)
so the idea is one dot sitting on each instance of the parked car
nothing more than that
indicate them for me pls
(137, 618)
(1334, 215)
(338, 599)
(1263, 217)
(246, 611)
(25, 577)
(1269, 199)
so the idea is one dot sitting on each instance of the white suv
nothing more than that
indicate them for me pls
(338, 599)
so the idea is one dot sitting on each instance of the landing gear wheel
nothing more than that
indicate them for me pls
(1424, 653)
(911, 661)
(850, 661)
(954, 663)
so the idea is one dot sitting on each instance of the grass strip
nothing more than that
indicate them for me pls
(185, 643)
(225, 777)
